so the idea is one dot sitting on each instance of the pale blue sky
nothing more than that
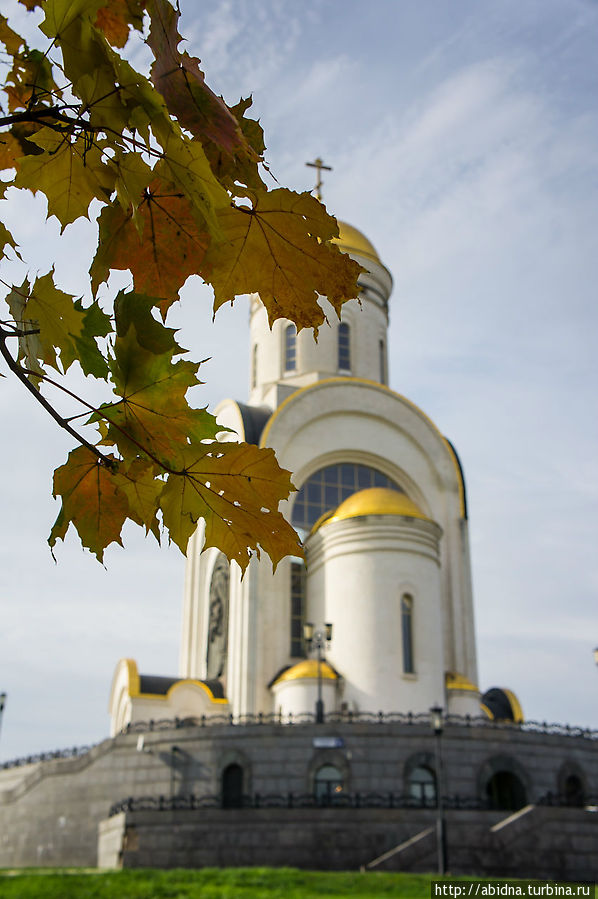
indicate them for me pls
(464, 141)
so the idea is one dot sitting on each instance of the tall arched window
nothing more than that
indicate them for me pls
(232, 786)
(344, 347)
(290, 348)
(328, 783)
(382, 358)
(254, 366)
(407, 633)
(298, 572)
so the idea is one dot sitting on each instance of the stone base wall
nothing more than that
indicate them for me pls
(50, 811)
(544, 843)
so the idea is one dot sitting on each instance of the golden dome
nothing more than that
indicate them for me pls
(376, 501)
(307, 668)
(350, 240)
(456, 681)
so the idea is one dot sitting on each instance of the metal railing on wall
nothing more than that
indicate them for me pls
(307, 718)
(367, 800)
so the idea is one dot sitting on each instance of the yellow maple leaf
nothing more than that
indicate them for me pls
(70, 172)
(236, 489)
(279, 248)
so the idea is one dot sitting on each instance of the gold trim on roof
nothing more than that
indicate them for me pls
(456, 681)
(307, 669)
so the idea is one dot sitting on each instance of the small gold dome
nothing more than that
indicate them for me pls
(307, 668)
(376, 501)
(350, 240)
(456, 681)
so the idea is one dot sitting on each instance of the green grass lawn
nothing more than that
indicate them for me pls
(209, 883)
(216, 883)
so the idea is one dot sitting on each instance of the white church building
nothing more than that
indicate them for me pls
(270, 749)
(381, 508)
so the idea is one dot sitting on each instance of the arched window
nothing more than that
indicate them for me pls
(254, 366)
(290, 348)
(325, 489)
(298, 573)
(217, 642)
(382, 359)
(505, 791)
(328, 783)
(407, 633)
(344, 347)
(232, 786)
(422, 786)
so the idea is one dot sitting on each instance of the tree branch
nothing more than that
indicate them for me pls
(20, 374)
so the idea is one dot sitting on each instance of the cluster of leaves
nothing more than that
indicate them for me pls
(178, 176)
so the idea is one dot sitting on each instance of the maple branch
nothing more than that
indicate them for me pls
(47, 112)
(21, 374)
(103, 415)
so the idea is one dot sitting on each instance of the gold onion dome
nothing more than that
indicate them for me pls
(374, 501)
(307, 668)
(350, 240)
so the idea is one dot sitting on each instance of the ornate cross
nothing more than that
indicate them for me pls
(319, 165)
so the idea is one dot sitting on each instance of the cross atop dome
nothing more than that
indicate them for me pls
(319, 165)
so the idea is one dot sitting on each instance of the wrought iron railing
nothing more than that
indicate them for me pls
(293, 801)
(69, 753)
(407, 718)
(373, 799)
(332, 718)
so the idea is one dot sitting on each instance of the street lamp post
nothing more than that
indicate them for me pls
(437, 723)
(318, 640)
(2, 704)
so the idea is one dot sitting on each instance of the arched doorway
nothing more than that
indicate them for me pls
(232, 786)
(505, 791)
(328, 784)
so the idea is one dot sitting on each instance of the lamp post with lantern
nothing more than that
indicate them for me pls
(437, 724)
(318, 640)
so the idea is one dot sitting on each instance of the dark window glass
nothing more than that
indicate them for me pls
(407, 633)
(422, 786)
(344, 347)
(297, 609)
(290, 348)
(328, 783)
(327, 488)
(382, 363)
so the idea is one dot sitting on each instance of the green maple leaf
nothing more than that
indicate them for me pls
(53, 315)
(153, 416)
(92, 500)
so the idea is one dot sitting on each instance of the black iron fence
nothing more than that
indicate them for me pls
(306, 718)
(383, 800)
(405, 718)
